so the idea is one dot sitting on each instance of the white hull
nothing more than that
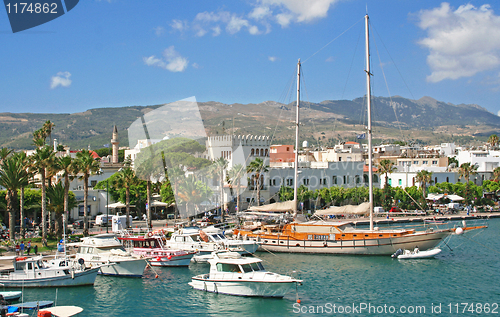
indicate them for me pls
(120, 267)
(78, 279)
(276, 289)
(420, 254)
(177, 260)
(11, 295)
(383, 246)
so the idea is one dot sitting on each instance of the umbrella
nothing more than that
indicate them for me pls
(118, 205)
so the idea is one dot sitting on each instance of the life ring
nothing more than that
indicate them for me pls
(203, 236)
(150, 234)
(21, 258)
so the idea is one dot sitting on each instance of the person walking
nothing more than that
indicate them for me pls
(17, 249)
(28, 247)
(35, 249)
(21, 248)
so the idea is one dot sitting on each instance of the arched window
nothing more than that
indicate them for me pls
(435, 180)
(261, 152)
(447, 179)
(252, 153)
(365, 178)
(375, 178)
(334, 180)
(267, 152)
(357, 179)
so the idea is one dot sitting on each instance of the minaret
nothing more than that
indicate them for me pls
(114, 143)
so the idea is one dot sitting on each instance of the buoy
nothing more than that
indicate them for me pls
(298, 301)
(459, 230)
(156, 276)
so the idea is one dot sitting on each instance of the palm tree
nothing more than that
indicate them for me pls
(466, 170)
(424, 177)
(386, 167)
(58, 202)
(4, 153)
(496, 174)
(193, 191)
(234, 176)
(218, 168)
(67, 165)
(493, 140)
(175, 175)
(25, 161)
(41, 160)
(86, 165)
(13, 176)
(257, 166)
(125, 178)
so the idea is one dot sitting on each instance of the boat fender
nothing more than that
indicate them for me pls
(169, 257)
(325, 244)
(459, 231)
(158, 259)
(81, 261)
(203, 235)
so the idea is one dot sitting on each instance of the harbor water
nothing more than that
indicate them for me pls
(463, 280)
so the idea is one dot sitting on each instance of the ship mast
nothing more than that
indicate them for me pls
(369, 128)
(296, 164)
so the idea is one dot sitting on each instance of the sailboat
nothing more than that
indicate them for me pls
(341, 237)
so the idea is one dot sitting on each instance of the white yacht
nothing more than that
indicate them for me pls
(191, 239)
(242, 276)
(105, 249)
(37, 272)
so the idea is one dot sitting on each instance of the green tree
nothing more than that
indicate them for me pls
(126, 179)
(41, 160)
(69, 169)
(493, 140)
(13, 176)
(192, 192)
(424, 177)
(86, 165)
(466, 170)
(58, 203)
(386, 167)
(234, 176)
(258, 168)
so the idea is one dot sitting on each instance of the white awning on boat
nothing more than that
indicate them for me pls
(276, 207)
(362, 209)
(64, 311)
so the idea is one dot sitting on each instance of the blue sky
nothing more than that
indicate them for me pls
(123, 53)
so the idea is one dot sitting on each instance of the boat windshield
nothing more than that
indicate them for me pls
(247, 268)
(226, 267)
(257, 266)
(107, 249)
(216, 237)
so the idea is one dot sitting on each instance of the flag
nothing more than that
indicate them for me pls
(361, 136)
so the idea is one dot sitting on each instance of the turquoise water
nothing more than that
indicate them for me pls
(468, 274)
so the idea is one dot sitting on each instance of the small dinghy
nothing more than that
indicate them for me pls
(415, 254)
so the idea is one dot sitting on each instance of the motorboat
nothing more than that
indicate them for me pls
(106, 252)
(37, 272)
(11, 296)
(154, 249)
(191, 239)
(203, 258)
(242, 276)
(401, 254)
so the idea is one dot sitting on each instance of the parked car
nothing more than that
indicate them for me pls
(395, 209)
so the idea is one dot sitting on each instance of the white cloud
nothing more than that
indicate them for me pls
(498, 113)
(159, 30)
(172, 61)
(61, 79)
(330, 59)
(179, 25)
(195, 65)
(272, 58)
(216, 31)
(296, 10)
(263, 14)
(461, 42)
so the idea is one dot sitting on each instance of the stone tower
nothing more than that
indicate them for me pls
(114, 143)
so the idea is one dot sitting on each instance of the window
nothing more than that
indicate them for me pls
(225, 267)
(358, 179)
(389, 181)
(434, 162)
(400, 182)
(425, 162)
(289, 182)
(93, 183)
(305, 181)
(447, 179)
(346, 179)
(334, 180)
(415, 162)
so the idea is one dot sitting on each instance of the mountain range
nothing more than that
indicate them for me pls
(425, 120)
